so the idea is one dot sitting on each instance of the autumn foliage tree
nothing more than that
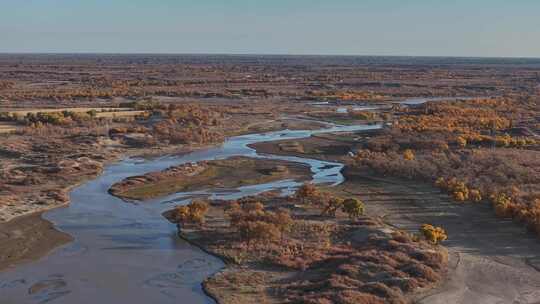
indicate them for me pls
(308, 193)
(332, 206)
(255, 224)
(353, 207)
(408, 154)
(433, 234)
(194, 213)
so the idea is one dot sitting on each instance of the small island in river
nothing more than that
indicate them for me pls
(228, 173)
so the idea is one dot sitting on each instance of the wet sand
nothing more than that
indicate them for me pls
(28, 238)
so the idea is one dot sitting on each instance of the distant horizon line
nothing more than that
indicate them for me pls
(266, 54)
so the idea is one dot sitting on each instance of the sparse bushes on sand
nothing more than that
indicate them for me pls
(353, 207)
(324, 260)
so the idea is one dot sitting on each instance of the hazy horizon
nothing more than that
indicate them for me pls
(269, 55)
(419, 28)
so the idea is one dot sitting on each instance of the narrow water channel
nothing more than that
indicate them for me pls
(127, 252)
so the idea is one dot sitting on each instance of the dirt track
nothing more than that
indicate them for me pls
(492, 260)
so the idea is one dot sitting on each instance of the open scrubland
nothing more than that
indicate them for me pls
(468, 162)
(312, 247)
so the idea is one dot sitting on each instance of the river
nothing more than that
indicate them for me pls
(127, 252)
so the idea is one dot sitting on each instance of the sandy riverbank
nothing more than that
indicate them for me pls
(27, 238)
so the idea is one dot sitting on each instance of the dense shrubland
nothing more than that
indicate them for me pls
(110, 90)
(161, 123)
(469, 149)
(349, 95)
(45, 141)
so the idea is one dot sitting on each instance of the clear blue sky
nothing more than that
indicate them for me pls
(508, 28)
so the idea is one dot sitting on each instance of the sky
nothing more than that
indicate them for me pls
(476, 28)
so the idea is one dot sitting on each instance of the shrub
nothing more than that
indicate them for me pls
(353, 207)
(252, 222)
(408, 154)
(475, 195)
(441, 183)
(332, 206)
(461, 142)
(308, 194)
(259, 231)
(433, 234)
(192, 213)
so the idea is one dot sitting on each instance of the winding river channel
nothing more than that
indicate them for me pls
(127, 252)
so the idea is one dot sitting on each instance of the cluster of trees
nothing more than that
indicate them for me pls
(89, 93)
(255, 224)
(7, 116)
(453, 118)
(96, 92)
(401, 258)
(452, 150)
(459, 190)
(184, 123)
(363, 115)
(177, 133)
(311, 195)
(62, 118)
(308, 193)
(344, 95)
(354, 208)
(174, 123)
(506, 206)
(193, 213)
(504, 140)
(59, 118)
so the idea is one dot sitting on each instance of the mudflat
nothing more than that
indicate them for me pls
(27, 238)
(227, 174)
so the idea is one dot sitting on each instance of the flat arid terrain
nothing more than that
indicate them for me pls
(269, 179)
